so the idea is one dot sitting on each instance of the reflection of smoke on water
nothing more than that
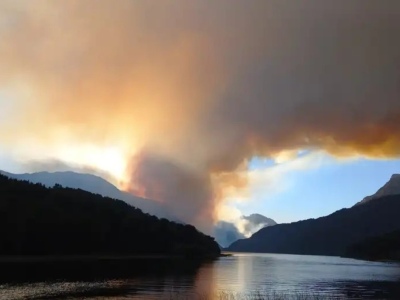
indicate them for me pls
(241, 276)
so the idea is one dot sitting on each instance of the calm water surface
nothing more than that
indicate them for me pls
(242, 274)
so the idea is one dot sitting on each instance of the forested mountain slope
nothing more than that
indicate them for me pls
(330, 235)
(38, 220)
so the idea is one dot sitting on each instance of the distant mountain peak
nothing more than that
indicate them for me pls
(259, 219)
(226, 233)
(255, 216)
(395, 177)
(392, 187)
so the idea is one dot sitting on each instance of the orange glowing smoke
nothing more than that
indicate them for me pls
(193, 89)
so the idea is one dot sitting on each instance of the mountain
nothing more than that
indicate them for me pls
(392, 187)
(382, 247)
(87, 182)
(94, 184)
(330, 235)
(257, 220)
(226, 233)
(37, 220)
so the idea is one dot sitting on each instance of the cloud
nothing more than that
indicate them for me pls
(200, 87)
(263, 183)
(228, 232)
(276, 179)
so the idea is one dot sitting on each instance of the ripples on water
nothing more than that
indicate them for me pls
(240, 274)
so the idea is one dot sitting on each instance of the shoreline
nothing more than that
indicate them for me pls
(92, 258)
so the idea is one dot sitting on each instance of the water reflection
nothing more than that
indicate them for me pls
(182, 279)
(143, 278)
(295, 274)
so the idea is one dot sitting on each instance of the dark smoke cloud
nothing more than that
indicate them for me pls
(188, 193)
(329, 79)
(205, 85)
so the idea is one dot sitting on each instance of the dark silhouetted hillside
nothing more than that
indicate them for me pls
(96, 185)
(330, 235)
(383, 247)
(36, 220)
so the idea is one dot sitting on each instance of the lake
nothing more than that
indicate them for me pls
(240, 276)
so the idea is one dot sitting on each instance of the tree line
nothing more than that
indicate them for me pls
(36, 220)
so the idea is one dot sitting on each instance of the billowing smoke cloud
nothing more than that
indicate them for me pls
(186, 91)
(188, 193)
(228, 232)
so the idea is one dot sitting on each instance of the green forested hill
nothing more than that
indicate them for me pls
(35, 220)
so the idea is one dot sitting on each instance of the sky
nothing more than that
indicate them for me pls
(300, 192)
(318, 191)
(217, 109)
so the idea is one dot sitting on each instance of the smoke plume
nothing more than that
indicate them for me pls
(185, 92)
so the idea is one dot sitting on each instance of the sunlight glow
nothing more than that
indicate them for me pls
(110, 159)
